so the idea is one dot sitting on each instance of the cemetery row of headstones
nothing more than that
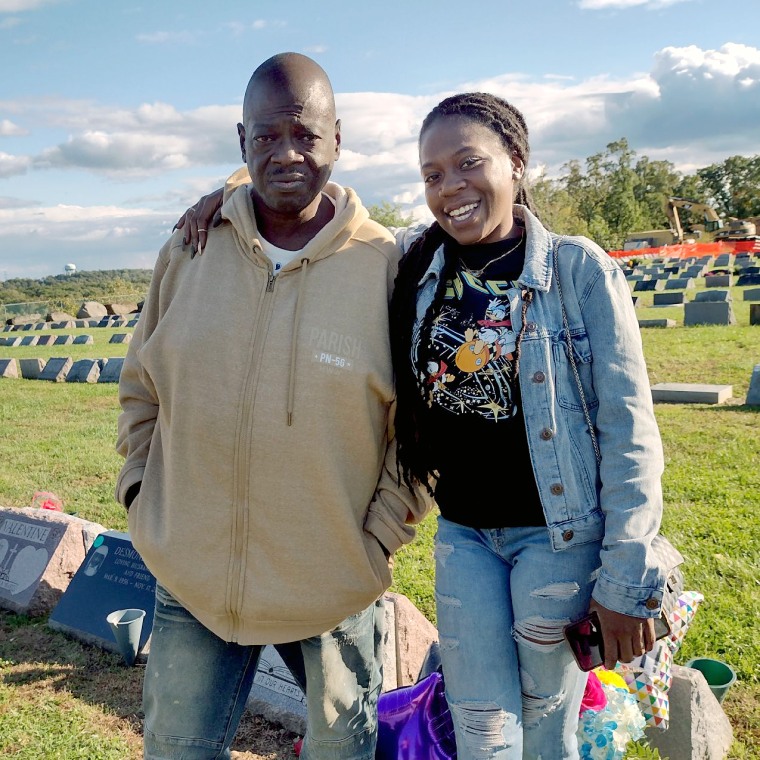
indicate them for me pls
(63, 369)
(71, 324)
(60, 340)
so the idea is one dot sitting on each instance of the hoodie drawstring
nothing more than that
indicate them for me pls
(296, 321)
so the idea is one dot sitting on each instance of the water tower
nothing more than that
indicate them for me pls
(69, 269)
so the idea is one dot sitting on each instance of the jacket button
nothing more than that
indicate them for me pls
(557, 489)
(546, 434)
(539, 377)
(530, 326)
(568, 535)
(652, 604)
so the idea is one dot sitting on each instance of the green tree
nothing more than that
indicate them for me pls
(389, 215)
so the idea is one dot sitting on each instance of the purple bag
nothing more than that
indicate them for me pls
(414, 722)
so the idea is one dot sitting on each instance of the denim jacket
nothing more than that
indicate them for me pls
(617, 498)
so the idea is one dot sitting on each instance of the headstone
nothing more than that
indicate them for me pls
(26, 326)
(691, 393)
(649, 285)
(40, 550)
(707, 313)
(754, 313)
(698, 728)
(753, 395)
(68, 324)
(29, 340)
(63, 340)
(680, 283)
(669, 299)
(636, 301)
(46, 340)
(748, 279)
(83, 340)
(15, 341)
(31, 368)
(121, 338)
(132, 323)
(112, 577)
(8, 368)
(42, 326)
(718, 281)
(712, 296)
(408, 637)
(84, 371)
(80, 323)
(111, 369)
(657, 323)
(119, 323)
(56, 369)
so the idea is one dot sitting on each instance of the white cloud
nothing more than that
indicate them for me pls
(18, 6)
(9, 129)
(11, 165)
(595, 5)
(10, 22)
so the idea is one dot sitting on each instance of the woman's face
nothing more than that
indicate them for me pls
(469, 180)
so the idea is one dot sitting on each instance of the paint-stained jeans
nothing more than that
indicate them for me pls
(503, 598)
(196, 686)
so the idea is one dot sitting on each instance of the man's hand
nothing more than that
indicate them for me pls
(625, 637)
(196, 220)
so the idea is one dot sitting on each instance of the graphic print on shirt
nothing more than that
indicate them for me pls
(469, 361)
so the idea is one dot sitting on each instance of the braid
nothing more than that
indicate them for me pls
(500, 117)
(414, 448)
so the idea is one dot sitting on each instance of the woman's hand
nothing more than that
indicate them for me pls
(625, 637)
(196, 220)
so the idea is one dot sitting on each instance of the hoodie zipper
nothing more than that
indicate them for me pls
(243, 453)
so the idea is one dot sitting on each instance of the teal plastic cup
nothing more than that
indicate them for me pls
(719, 676)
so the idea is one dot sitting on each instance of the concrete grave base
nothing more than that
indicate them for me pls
(698, 727)
(691, 393)
(8, 368)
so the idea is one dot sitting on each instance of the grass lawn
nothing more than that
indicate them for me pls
(63, 699)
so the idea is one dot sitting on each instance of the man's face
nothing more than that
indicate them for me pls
(290, 141)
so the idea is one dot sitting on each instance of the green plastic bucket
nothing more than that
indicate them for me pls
(719, 676)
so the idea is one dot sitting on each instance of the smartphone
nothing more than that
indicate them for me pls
(586, 643)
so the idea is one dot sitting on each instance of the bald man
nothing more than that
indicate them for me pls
(260, 478)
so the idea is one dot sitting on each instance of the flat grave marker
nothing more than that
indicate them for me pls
(112, 577)
(691, 393)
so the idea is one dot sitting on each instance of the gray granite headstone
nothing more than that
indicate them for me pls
(753, 395)
(8, 368)
(657, 323)
(707, 313)
(63, 340)
(680, 283)
(111, 369)
(81, 323)
(29, 340)
(84, 371)
(748, 279)
(112, 577)
(754, 313)
(121, 338)
(718, 281)
(42, 326)
(691, 393)
(83, 340)
(31, 368)
(669, 299)
(56, 369)
(46, 340)
(132, 323)
(26, 547)
(14, 341)
(649, 285)
(712, 296)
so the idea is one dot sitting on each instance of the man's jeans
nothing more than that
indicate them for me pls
(503, 598)
(196, 686)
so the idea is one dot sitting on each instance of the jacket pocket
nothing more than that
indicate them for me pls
(565, 381)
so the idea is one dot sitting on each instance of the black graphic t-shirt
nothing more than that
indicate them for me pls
(486, 476)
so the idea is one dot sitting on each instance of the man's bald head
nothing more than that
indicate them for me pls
(294, 73)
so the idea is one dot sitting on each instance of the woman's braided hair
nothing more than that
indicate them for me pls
(415, 444)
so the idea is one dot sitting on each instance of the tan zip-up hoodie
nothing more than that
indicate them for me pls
(257, 415)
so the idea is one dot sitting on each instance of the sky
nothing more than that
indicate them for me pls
(115, 116)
